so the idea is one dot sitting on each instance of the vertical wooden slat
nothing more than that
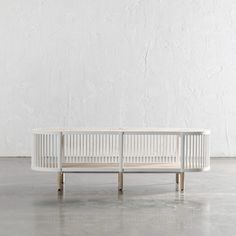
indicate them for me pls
(186, 151)
(190, 151)
(88, 148)
(168, 148)
(85, 148)
(49, 150)
(102, 149)
(35, 146)
(40, 150)
(136, 159)
(160, 148)
(201, 150)
(66, 147)
(82, 147)
(164, 147)
(196, 157)
(73, 148)
(109, 148)
(76, 148)
(99, 148)
(52, 152)
(128, 147)
(95, 147)
(193, 154)
(43, 151)
(56, 154)
(35, 164)
(121, 136)
(151, 148)
(204, 164)
(195, 151)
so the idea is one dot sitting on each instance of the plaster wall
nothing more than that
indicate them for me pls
(110, 63)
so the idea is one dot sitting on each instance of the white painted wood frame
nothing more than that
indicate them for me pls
(121, 151)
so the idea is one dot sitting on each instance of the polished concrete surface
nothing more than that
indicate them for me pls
(30, 205)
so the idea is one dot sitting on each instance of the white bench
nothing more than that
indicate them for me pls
(121, 151)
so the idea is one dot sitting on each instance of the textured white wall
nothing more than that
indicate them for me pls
(117, 63)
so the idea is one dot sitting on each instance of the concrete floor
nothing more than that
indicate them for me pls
(30, 205)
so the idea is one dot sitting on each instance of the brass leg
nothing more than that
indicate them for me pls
(60, 181)
(120, 181)
(177, 181)
(182, 181)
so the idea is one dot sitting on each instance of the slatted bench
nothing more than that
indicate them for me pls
(121, 151)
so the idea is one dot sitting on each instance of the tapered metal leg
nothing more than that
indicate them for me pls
(181, 181)
(120, 182)
(177, 181)
(60, 181)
